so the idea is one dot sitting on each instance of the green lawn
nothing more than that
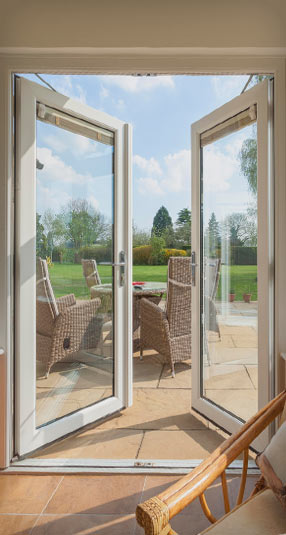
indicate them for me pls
(68, 278)
(243, 279)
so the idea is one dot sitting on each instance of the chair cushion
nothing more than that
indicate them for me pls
(260, 515)
(272, 463)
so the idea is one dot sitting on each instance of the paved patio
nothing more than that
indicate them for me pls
(160, 424)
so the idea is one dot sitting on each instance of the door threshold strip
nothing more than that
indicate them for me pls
(133, 466)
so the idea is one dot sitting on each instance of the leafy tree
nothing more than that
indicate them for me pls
(140, 237)
(84, 225)
(55, 230)
(157, 245)
(161, 222)
(41, 239)
(169, 237)
(251, 214)
(235, 228)
(212, 236)
(183, 228)
(248, 162)
(184, 216)
(248, 153)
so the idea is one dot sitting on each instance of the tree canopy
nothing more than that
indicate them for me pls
(161, 222)
(248, 163)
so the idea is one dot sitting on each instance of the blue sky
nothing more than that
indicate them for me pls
(161, 110)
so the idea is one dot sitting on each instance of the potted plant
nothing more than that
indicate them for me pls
(247, 296)
(231, 296)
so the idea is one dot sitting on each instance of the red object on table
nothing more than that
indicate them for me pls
(138, 283)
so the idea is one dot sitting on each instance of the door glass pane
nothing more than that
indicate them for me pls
(229, 319)
(74, 293)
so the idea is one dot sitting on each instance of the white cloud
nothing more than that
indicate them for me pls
(178, 171)
(173, 176)
(57, 143)
(67, 142)
(135, 84)
(66, 85)
(57, 170)
(104, 92)
(227, 87)
(93, 201)
(218, 169)
(151, 166)
(148, 185)
(49, 198)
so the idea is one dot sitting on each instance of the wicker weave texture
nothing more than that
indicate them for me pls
(90, 272)
(63, 326)
(169, 331)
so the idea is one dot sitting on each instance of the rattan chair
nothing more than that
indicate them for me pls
(259, 514)
(169, 331)
(90, 272)
(63, 325)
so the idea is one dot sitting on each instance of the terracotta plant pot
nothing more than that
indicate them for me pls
(231, 297)
(246, 298)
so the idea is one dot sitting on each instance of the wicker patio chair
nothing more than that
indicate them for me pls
(169, 331)
(63, 325)
(260, 514)
(90, 272)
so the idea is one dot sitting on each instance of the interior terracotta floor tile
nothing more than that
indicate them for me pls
(17, 524)
(100, 494)
(25, 493)
(234, 485)
(178, 445)
(155, 484)
(85, 524)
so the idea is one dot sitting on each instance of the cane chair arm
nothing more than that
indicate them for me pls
(155, 514)
(150, 311)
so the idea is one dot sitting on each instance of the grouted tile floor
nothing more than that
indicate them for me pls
(96, 504)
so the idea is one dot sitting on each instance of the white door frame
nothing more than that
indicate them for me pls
(27, 436)
(128, 61)
(259, 95)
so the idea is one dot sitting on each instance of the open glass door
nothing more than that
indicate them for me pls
(73, 266)
(232, 259)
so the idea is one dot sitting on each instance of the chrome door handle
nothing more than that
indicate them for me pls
(121, 264)
(194, 265)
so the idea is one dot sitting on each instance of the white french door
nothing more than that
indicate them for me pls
(233, 269)
(73, 203)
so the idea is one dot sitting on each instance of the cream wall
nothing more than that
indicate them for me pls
(143, 23)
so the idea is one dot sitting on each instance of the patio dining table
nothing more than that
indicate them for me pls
(151, 290)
